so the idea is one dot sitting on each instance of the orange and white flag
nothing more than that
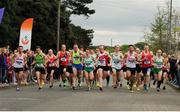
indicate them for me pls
(26, 34)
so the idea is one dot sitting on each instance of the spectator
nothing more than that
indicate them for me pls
(3, 66)
(9, 68)
(173, 67)
(178, 71)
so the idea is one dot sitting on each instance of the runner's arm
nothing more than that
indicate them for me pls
(25, 59)
(34, 62)
(110, 59)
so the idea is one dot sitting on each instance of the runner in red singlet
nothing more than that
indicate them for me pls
(147, 63)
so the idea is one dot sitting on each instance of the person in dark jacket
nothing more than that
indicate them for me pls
(173, 67)
(3, 65)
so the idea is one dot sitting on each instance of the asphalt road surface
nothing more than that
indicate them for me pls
(30, 99)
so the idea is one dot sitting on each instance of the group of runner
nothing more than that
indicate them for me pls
(134, 67)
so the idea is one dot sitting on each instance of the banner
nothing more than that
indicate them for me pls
(1, 14)
(26, 33)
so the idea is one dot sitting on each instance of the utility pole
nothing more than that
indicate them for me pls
(111, 42)
(175, 32)
(170, 23)
(58, 25)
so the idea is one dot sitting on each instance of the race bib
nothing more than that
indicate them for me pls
(131, 60)
(88, 65)
(116, 61)
(147, 62)
(19, 62)
(102, 62)
(131, 63)
(159, 65)
(39, 65)
(51, 64)
(63, 59)
(76, 58)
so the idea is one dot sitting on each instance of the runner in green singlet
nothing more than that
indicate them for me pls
(88, 69)
(158, 65)
(39, 61)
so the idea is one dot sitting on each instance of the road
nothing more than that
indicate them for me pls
(30, 99)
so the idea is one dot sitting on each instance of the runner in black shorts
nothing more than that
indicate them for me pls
(102, 69)
(117, 72)
(147, 63)
(19, 62)
(109, 69)
(166, 67)
(138, 69)
(51, 66)
(63, 57)
(131, 59)
(40, 61)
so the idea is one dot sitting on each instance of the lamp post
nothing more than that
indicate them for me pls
(170, 24)
(58, 25)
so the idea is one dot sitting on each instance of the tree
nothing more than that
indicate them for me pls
(125, 48)
(140, 45)
(159, 37)
(78, 7)
(158, 34)
(45, 22)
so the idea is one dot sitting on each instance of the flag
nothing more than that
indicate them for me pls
(1, 14)
(26, 33)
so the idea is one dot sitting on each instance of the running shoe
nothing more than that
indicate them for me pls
(60, 85)
(120, 85)
(89, 88)
(134, 86)
(154, 83)
(127, 82)
(50, 86)
(131, 89)
(164, 88)
(64, 85)
(100, 88)
(74, 88)
(138, 88)
(145, 88)
(17, 89)
(39, 88)
(42, 83)
(128, 87)
(79, 84)
(97, 84)
(26, 83)
(158, 89)
(114, 87)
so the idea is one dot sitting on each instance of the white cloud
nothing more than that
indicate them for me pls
(122, 20)
(104, 37)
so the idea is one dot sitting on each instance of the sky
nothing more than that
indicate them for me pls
(122, 21)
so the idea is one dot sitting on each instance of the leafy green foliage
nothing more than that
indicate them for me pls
(124, 48)
(159, 37)
(140, 45)
(79, 7)
(45, 14)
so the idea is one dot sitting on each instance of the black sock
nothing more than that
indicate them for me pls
(64, 81)
(132, 80)
(158, 84)
(108, 79)
(127, 82)
(162, 81)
